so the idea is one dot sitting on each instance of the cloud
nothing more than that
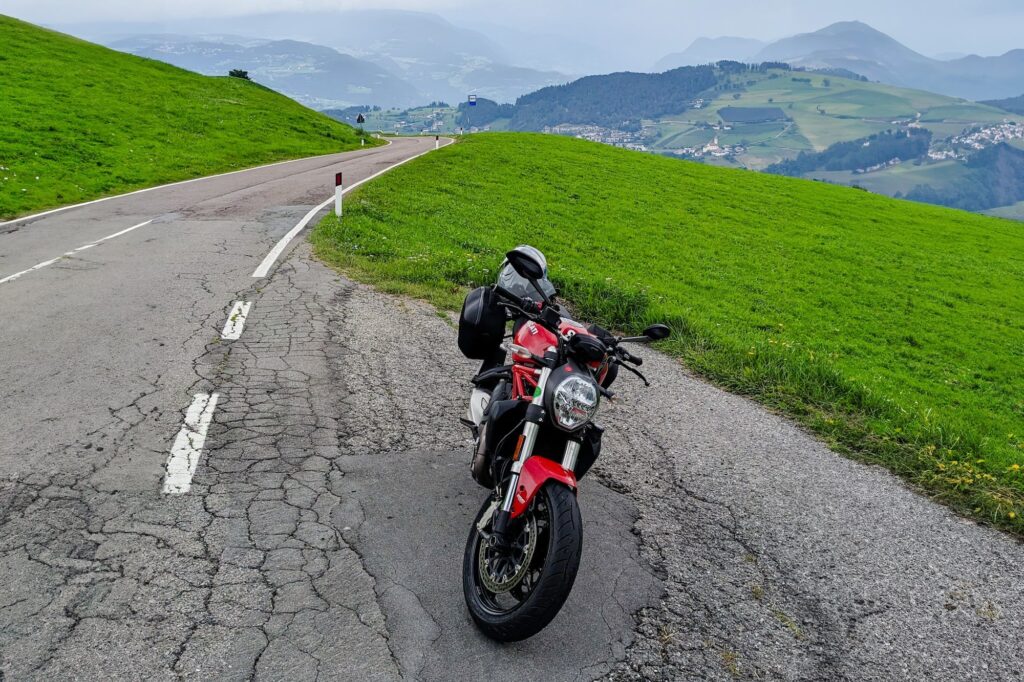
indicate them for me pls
(67, 11)
(634, 34)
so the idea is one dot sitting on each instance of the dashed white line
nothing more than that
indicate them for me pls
(188, 446)
(275, 252)
(11, 278)
(236, 321)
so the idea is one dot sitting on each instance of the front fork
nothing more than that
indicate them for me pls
(523, 452)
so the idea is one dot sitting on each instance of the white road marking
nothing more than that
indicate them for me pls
(188, 446)
(275, 252)
(16, 275)
(118, 234)
(236, 321)
(11, 278)
(170, 184)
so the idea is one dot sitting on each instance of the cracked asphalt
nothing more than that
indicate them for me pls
(323, 534)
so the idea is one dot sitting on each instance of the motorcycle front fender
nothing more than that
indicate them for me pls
(536, 472)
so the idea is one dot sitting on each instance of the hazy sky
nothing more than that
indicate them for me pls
(637, 31)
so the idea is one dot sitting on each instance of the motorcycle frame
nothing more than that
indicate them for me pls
(524, 381)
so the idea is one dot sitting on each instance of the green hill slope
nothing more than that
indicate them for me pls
(79, 121)
(895, 330)
(822, 110)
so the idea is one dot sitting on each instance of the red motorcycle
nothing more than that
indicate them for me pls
(532, 421)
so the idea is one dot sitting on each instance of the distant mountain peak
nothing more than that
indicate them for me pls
(861, 48)
(710, 50)
(850, 26)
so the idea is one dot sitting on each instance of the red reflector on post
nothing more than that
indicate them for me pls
(337, 179)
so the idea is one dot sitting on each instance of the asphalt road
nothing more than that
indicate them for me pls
(322, 532)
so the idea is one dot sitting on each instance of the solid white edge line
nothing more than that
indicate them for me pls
(268, 261)
(275, 252)
(188, 446)
(16, 275)
(170, 184)
(236, 321)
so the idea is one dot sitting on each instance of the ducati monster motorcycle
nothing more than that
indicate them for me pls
(535, 437)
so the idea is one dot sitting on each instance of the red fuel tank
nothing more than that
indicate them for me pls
(537, 339)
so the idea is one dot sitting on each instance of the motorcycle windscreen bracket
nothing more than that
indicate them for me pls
(535, 473)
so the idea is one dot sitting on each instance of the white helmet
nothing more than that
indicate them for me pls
(511, 280)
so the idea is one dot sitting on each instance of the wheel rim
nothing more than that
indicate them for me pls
(503, 583)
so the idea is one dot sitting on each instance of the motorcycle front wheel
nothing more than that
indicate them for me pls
(514, 594)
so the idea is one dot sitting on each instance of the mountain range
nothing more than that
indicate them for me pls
(857, 47)
(435, 58)
(393, 57)
(317, 76)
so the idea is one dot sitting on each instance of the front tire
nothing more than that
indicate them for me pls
(509, 608)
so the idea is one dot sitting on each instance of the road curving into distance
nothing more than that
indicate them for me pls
(206, 473)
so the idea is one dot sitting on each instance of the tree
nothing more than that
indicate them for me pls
(238, 73)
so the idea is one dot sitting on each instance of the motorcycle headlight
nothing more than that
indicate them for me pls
(574, 402)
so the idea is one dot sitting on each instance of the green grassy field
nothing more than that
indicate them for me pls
(79, 121)
(894, 330)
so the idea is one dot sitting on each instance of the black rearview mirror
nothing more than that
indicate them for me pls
(657, 332)
(525, 265)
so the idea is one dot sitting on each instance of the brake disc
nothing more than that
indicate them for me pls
(513, 567)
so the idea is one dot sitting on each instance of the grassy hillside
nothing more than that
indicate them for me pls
(79, 121)
(822, 110)
(895, 330)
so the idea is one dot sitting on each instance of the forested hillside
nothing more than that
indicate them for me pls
(859, 154)
(1013, 104)
(617, 100)
(995, 178)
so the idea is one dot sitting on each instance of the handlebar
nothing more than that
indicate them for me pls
(628, 357)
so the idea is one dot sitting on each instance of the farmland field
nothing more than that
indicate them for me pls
(902, 178)
(827, 110)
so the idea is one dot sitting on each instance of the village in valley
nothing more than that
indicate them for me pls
(960, 146)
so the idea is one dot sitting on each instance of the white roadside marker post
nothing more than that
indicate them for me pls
(362, 141)
(337, 194)
(437, 141)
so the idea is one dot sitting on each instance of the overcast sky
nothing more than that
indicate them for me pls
(638, 31)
